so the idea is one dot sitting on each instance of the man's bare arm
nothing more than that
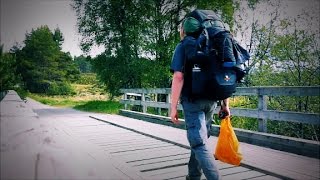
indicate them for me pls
(177, 84)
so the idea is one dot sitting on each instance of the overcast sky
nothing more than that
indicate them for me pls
(20, 16)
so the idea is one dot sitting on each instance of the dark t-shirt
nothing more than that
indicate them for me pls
(178, 64)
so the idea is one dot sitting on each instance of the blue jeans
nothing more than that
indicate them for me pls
(198, 116)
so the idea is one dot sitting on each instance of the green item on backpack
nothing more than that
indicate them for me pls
(191, 25)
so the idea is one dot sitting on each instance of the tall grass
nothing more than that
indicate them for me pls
(58, 101)
(109, 107)
(83, 94)
(87, 97)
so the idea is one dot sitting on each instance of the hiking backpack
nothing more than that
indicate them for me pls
(213, 59)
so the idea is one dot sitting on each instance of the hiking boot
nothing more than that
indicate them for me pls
(193, 178)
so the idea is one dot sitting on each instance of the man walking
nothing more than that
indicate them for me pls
(198, 112)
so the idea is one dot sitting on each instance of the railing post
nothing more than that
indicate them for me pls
(262, 105)
(168, 100)
(143, 99)
(125, 97)
(156, 100)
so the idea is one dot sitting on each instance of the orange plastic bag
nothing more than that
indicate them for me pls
(227, 149)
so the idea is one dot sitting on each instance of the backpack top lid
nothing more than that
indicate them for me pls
(207, 18)
(203, 15)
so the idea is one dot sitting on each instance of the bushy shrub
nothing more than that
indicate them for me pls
(87, 78)
(41, 86)
(21, 92)
(60, 88)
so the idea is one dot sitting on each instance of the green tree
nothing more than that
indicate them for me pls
(44, 68)
(8, 77)
(67, 64)
(58, 37)
(285, 52)
(39, 60)
(273, 38)
(225, 8)
(135, 34)
(256, 33)
(83, 63)
(297, 52)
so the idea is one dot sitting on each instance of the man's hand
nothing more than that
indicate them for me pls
(174, 116)
(225, 110)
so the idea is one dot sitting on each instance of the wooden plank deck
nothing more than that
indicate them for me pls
(68, 144)
(152, 158)
(261, 159)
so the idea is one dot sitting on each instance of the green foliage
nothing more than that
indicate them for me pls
(59, 88)
(8, 77)
(82, 94)
(280, 103)
(61, 101)
(44, 68)
(89, 92)
(21, 92)
(224, 7)
(87, 78)
(67, 65)
(252, 3)
(298, 130)
(83, 64)
(58, 37)
(290, 61)
(110, 107)
(116, 74)
(245, 123)
(285, 52)
(139, 38)
(297, 53)
(250, 102)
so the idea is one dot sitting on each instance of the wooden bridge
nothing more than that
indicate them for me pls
(42, 142)
(148, 98)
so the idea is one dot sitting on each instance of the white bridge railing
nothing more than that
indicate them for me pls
(148, 98)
